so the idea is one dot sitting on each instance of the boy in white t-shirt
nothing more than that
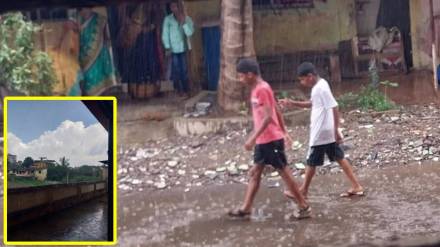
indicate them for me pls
(324, 135)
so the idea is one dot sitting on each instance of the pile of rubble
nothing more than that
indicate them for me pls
(410, 134)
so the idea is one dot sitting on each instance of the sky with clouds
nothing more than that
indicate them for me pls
(54, 129)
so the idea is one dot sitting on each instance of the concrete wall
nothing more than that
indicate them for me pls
(366, 18)
(29, 203)
(422, 32)
(201, 12)
(319, 28)
(201, 126)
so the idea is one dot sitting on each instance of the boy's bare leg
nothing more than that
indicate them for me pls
(252, 188)
(304, 189)
(310, 172)
(292, 187)
(346, 167)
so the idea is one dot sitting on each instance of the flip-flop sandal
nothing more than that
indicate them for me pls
(239, 214)
(351, 193)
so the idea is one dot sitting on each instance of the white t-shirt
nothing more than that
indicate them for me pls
(322, 126)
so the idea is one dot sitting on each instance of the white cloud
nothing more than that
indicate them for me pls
(81, 145)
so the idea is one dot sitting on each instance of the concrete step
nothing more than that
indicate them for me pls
(200, 126)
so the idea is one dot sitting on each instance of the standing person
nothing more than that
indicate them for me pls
(267, 139)
(177, 29)
(324, 135)
(95, 55)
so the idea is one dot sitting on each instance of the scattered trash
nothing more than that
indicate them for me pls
(274, 174)
(296, 145)
(160, 185)
(243, 167)
(136, 181)
(173, 163)
(369, 140)
(300, 166)
(220, 169)
(232, 170)
(211, 174)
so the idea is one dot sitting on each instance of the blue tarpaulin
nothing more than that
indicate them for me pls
(211, 49)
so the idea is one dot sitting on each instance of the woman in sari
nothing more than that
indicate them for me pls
(95, 56)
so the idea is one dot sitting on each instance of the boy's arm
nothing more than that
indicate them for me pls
(338, 135)
(188, 26)
(281, 119)
(257, 132)
(301, 104)
(166, 34)
(288, 140)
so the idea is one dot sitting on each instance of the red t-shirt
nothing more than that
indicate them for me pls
(262, 95)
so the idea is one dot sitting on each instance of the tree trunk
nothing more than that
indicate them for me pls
(237, 42)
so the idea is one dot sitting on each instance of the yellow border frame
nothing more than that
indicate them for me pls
(5, 162)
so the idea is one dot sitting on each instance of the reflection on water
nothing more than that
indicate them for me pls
(85, 222)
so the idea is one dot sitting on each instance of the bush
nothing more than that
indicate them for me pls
(369, 98)
(348, 100)
(22, 67)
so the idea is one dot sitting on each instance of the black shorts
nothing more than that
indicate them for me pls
(271, 153)
(316, 155)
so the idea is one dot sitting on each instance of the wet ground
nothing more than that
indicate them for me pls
(401, 203)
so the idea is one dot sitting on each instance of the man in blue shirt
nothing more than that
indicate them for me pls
(177, 29)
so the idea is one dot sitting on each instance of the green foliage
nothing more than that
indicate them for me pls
(369, 98)
(60, 171)
(57, 172)
(64, 162)
(20, 182)
(87, 171)
(348, 100)
(22, 67)
(78, 179)
(27, 162)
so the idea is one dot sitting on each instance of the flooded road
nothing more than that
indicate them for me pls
(402, 202)
(85, 222)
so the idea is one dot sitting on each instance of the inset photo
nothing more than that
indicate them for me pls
(60, 179)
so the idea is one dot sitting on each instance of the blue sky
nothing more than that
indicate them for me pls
(55, 129)
(29, 119)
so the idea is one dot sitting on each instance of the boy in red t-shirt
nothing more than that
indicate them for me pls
(268, 138)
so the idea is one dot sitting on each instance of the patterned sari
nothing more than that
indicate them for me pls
(95, 56)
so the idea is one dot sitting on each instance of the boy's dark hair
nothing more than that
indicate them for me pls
(306, 68)
(168, 5)
(246, 65)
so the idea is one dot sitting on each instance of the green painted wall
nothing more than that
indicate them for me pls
(319, 28)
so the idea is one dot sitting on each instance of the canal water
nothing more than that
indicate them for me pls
(84, 222)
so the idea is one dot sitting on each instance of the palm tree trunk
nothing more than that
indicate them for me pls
(237, 42)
